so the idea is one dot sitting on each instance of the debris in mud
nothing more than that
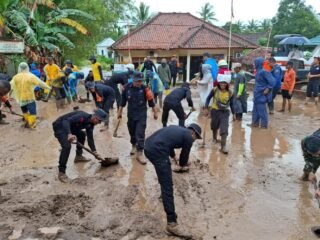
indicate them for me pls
(49, 232)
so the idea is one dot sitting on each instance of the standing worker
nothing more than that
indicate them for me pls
(287, 87)
(276, 72)
(314, 81)
(137, 95)
(104, 97)
(4, 89)
(222, 98)
(96, 69)
(240, 92)
(262, 94)
(58, 87)
(68, 128)
(89, 78)
(149, 66)
(173, 102)
(51, 70)
(73, 81)
(207, 59)
(165, 74)
(173, 64)
(159, 148)
(22, 86)
(69, 64)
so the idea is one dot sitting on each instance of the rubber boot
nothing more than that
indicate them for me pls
(32, 121)
(80, 158)
(307, 100)
(133, 150)
(140, 158)
(63, 177)
(224, 149)
(289, 106)
(178, 230)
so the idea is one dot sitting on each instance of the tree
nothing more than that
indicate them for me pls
(263, 41)
(294, 16)
(236, 27)
(207, 13)
(252, 26)
(265, 25)
(141, 14)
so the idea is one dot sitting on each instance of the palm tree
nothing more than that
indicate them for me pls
(207, 13)
(265, 25)
(252, 26)
(141, 14)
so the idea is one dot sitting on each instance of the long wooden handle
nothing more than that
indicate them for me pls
(88, 150)
(116, 129)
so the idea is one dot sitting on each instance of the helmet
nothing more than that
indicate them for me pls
(222, 63)
(93, 58)
(68, 61)
(137, 76)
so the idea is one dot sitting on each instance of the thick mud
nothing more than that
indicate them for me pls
(252, 193)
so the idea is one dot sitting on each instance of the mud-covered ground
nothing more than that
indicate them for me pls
(253, 193)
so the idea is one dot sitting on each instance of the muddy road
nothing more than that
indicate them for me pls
(253, 193)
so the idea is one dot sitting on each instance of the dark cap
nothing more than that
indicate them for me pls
(68, 71)
(93, 58)
(100, 114)
(185, 85)
(68, 61)
(90, 85)
(195, 127)
(137, 76)
(290, 63)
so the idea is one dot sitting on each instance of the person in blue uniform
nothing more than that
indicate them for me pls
(277, 73)
(262, 94)
(69, 128)
(159, 147)
(104, 97)
(173, 102)
(137, 96)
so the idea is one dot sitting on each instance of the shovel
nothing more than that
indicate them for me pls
(13, 113)
(115, 132)
(188, 114)
(105, 162)
(203, 144)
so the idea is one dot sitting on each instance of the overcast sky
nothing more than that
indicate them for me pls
(244, 10)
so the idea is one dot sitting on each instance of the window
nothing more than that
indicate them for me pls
(102, 52)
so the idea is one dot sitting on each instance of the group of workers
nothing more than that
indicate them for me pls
(159, 148)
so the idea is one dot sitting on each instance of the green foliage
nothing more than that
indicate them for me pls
(236, 27)
(141, 14)
(294, 16)
(263, 41)
(105, 62)
(207, 13)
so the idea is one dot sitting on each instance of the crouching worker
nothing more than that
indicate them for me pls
(104, 97)
(68, 128)
(22, 86)
(159, 147)
(222, 98)
(311, 152)
(4, 89)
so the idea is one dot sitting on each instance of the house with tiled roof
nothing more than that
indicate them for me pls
(180, 34)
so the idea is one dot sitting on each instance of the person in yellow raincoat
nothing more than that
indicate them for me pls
(22, 87)
(69, 64)
(51, 70)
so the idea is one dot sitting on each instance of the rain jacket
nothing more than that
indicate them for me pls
(34, 70)
(156, 84)
(214, 67)
(277, 74)
(73, 80)
(164, 73)
(51, 72)
(240, 103)
(263, 81)
(22, 86)
(205, 84)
